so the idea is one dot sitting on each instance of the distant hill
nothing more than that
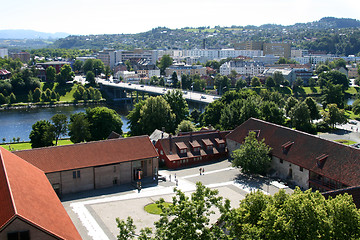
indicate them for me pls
(29, 34)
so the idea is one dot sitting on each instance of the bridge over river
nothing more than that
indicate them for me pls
(119, 92)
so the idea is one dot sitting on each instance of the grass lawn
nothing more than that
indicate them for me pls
(27, 145)
(345, 142)
(68, 97)
(312, 90)
(153, 208)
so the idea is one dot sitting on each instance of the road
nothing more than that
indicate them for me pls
(188, 95)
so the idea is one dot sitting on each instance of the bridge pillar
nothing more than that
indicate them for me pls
(137, 96)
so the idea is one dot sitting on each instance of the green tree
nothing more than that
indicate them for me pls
(102, 122)
(12, 98)
(185, 126)
(126, 229)
(271, 112)
(78, 64)
(313, 108)
(270, 83)
(322, 68)
(255, 82)
(278, 78)
(98, 66)
(3, 99)
(37, 95)
(165, 62)
(88, 65)
(186, 81)
(222, 83)
(30, 96)
(195, 115)
(156, 113)
(154, 81)
(50, 74)
(66, 74)
(335, 77)
(252, 156)
(290, 103)
(42, 134)
(198, 84)
(107, 72)
(60, 125)
(300, 117)
(90, 77)
(134, 119)
(177, 104)
(355, 106)
(79, 128)
(211, 114)
(334, 115)
(174, 79)
(241, 83)
(333, 94)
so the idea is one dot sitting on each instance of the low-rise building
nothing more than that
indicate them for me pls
(23, 56)
(244, 68)
(306, 160)
(30, 208)
(93, 165)
(192, 148)
(181, 69)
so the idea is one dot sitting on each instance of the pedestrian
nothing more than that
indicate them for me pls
(175, 176)
(203, 170)
(200, 170)
(177, 181)
(170, 177)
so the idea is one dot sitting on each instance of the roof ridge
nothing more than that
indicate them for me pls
(300, 132)
(81, 143)
(7, 181)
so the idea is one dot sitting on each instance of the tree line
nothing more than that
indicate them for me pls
(92, 125)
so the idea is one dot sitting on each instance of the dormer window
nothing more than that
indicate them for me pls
(195, 145)
(286, 146)
(181, 146)
(320, 161)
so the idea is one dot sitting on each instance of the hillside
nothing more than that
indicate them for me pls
(29, 34)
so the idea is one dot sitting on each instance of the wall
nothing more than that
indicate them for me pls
(84, 182)
(105, 175)
(18, 225)
(300, 178)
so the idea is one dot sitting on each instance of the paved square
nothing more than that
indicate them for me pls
(94, 213)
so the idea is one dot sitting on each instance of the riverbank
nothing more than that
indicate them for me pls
(50, 105)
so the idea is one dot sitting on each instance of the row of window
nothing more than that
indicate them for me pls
(193, 159)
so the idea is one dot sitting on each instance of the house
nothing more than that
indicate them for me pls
(158, 134)
(306, 160)
(192, 148)
(94, 165)
(4, 74)
(30, 208)
(353, 191)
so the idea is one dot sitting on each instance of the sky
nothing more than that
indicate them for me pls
(82, 17)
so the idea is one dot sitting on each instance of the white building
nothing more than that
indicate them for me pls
(242, 67)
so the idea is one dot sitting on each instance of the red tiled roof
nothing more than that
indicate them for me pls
(82, 155)
(195, 144)
(207, 142)
(342, 163)
(353, 191)
(26, 193)
(188, 140)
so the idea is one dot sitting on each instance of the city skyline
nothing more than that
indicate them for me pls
(110, 16)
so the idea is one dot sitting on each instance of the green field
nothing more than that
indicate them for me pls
(27, 145)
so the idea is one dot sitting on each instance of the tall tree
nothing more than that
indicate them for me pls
(335, 115)
(300, 117)
(175, 80)
(177, 104)
(98, 67)
(60, 125)
(313, 108)
(252, 156)
(50, 74)
(185, 126)
(165, 62)
(90, 77)
(222, 83)
(78, 64)
(79, 128)
(66, 74)
(333, 94)
(102, 122)
(42, 134)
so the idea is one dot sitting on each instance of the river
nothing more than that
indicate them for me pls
(18, 122)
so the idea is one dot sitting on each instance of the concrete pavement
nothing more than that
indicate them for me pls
(94, 212)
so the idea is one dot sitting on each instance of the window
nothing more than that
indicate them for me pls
(114, 168)
(25, 235)
(161, 152)
(76, 174)
(301, 169)
(281, 161)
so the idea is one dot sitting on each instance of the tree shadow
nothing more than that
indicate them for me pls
(63, 89)
(250, 181)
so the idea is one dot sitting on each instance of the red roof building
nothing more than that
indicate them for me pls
(93, 165)
(305, 159)
(30, 209)
(4, 74)
(192, 148)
